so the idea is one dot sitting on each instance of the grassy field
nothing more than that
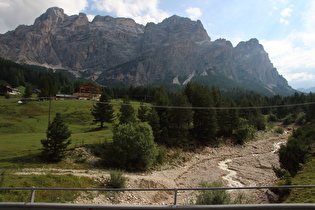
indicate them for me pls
(22, 126)
(305, 177)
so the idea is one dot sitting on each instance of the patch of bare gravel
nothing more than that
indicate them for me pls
(246, 165)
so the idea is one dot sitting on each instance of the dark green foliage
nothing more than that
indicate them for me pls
(180, 120)
(213, 197)
(57, 140)
(278, 171)
(295, 152)
(300, 119)
(243, 131)
(289, 119)
(142, 113)
(204, 119)
(127, 112)
(272, 118)
(132, 149)
(116, 179)
(162, 101)
(47, 80)
(218, 196)
(154, 122)
(103, 111)
(28, 91)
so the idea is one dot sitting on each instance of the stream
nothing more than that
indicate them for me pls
(231, 177)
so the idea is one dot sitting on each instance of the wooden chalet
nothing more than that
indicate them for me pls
(12, 91)
(89, 91)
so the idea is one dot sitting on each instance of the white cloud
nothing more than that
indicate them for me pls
(142, 11)
(282, 20)
(193, 12)
(293, 55)
(16, 12)
(286, 12)
(301, 77)
(293, 58)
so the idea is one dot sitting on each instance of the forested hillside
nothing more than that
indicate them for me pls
(48, 81)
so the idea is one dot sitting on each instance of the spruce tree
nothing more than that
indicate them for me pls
(142, 113)
(103, 111)
(180, 120)
(127, 112)
(28, 91)
(204, 119)
(57, 139)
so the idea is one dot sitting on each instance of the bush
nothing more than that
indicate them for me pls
(272, 118)
(212, 197)
(243, 131)
(289, 119)
(278, 171)
(132, 149)
(215, 197)
(116, 180)
(300, 119)
(279, 130)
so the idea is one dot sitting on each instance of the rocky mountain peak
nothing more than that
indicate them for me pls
(110, 20)
(185, 27)
(50, 19)
(250, 45)
(118, 51)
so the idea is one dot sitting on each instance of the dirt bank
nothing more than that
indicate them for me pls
(247, 165)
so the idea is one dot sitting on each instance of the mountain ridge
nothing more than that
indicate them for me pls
(119, 51)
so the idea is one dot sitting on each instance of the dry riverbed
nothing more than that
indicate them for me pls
(236, 166)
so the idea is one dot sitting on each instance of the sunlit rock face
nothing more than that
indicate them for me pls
(118, 51)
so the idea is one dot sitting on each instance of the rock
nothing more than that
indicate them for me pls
(115, 51)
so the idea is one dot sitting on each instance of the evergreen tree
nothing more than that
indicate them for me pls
(57, 139)
(28, 91)
(103, 111)
(154, 122)
(142, 113)
(127, 112)
(180, 119)
(204, 119)
(161, 101)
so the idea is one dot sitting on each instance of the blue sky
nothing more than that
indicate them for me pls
(286, 28)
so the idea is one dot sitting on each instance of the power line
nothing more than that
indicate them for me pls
(182, 107)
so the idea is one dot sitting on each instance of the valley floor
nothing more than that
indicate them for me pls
(237, 166)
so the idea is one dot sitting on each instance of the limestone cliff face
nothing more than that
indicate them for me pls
(120, 51)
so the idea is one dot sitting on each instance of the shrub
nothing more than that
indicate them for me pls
(215, 197)
(132, 149)
(289, 119)
(212, 197)
(116, 180)
(278, 171)
(272, 118)
(300, 119)
(279, 130)
(243, 131)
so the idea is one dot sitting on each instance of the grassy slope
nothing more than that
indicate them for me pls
(305, 177)
(22, 126)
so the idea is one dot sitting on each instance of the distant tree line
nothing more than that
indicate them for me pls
(49, 82)
(197, 113)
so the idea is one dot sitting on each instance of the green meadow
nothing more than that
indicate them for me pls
(22, 126)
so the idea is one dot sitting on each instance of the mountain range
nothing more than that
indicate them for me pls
(119, 51)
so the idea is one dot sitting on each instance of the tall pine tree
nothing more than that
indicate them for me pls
(103, 111)
(57, 139)
(127, 112)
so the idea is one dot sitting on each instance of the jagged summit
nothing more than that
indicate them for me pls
(119, 51)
